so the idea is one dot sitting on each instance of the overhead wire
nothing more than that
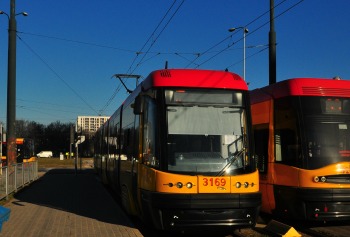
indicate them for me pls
(101, 111)
(162, 30)
(102, 46)
(251, 32)
(198, 55)
(150, 37)
(57, 75)
(48, 106)
(77, 41)
(139, 52)
(156, 53)
(144, 53)
(45, 108)
(130, 70)
(249, 56)
(44, 113)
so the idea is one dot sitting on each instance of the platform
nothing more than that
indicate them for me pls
(65, 203)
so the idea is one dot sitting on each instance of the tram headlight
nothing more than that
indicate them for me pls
(189, 185)
(179, 185)
(246, 184)
(318, 179)
(238, 185)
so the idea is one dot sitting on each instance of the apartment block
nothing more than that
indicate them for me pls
(90, 123)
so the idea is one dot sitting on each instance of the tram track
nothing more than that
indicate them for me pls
(260, 230)
(331, 229)
(304, 229)
(303, 232)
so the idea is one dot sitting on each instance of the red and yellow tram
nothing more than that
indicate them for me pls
(301, 129)
(178, 151)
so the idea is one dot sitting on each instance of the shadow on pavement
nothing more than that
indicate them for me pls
(80, 193)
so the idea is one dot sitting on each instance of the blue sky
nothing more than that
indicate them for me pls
(68, 51)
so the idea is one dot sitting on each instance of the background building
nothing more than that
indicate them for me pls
(89, 124)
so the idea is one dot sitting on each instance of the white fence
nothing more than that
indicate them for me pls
(16, 176)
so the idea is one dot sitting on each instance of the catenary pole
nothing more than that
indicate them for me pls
(11, 88)
(272, 46)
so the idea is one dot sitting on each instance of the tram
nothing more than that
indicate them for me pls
(178, 151)
(301, 128)
(25, 150)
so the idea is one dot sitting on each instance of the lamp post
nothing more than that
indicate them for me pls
(245, 31)
(11, 85)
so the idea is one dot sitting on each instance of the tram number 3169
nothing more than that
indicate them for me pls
(214, 182)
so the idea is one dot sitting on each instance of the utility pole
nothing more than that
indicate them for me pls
(11, 84)
(272, 46)
(71, 141)
(11, 88)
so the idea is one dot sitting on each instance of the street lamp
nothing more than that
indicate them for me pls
(245, 31)
(11, 85)
(4, 13)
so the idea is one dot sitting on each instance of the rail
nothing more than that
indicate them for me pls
(16, 176)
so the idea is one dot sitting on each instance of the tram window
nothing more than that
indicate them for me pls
(126, 143)
(331, 106)
(195, 120)
(287, 147)
(261, 138)
(346, 106)
(326, 105)
(112, 140)
(149, 133)
(204, 97)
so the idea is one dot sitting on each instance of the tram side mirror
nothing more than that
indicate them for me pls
(138, 105)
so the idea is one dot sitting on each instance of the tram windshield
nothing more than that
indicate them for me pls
(206, 131)
(312, 132)
(327, 130)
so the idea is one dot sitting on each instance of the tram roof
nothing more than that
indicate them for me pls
(197, 78)
(302, 87)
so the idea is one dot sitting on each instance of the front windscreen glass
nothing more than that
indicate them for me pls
(327, 130)
(206, 131)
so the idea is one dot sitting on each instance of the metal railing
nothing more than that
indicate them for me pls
(16, 176)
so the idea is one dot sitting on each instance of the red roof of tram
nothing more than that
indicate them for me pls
(194, 78)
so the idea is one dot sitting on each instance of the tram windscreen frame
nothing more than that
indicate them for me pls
(206, 131)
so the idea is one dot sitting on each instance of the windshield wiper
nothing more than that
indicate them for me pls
(233, 158)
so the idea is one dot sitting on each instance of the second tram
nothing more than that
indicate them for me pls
(24, 147)
(301, 128)
(178, 151)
